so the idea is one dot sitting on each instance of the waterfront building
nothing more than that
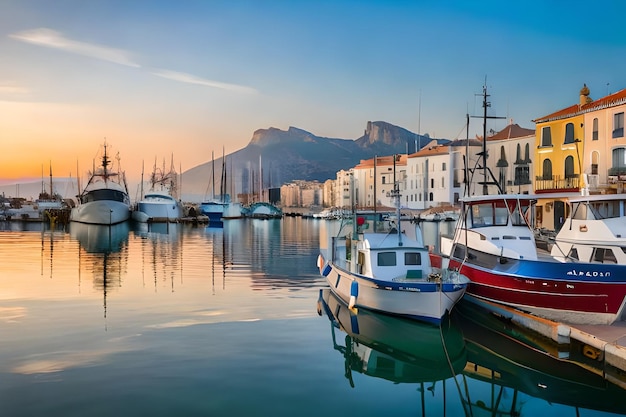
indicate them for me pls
(374, 180)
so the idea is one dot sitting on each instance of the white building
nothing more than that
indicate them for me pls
(374, 180)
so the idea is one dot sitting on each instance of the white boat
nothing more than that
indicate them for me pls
(389, 270)
(595, 230)
(104, 199)
(160, 203)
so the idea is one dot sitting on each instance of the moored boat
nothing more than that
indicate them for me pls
(104, 200)
(160, 203)
(583, 279)
(389, 270)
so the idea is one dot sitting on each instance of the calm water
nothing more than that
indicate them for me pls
(198, 321)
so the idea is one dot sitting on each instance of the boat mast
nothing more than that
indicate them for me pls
(51, 193)
(375, 200)
(396, 195)
(483, 154)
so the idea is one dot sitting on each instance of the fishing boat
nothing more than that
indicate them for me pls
(393, 348)
(389, 269)
(582, 280)
(160, 203)
(104, 199)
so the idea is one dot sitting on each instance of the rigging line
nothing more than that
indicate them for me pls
(456, 383)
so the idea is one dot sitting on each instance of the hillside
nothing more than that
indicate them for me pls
(296, 154)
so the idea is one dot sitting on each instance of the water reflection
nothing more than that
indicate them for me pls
(161, 252)
(515, 364)
(396, 349)
(493, 367)
(103, 251)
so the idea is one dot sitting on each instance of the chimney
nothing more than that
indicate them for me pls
(584, 95)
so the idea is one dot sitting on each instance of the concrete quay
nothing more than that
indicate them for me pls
(599, 348)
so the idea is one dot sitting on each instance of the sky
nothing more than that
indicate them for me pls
(162, 80)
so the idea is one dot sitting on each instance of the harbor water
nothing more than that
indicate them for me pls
(184, 320)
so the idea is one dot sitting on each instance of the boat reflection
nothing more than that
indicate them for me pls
(104, 250)
(520, 367)
(493, 367)
(103, 239)
(394, 348)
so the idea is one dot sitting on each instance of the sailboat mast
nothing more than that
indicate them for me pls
(51, 193)
(213, 174)
(375, 197)
(396, 194)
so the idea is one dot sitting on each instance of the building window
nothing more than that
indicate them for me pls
(569, 133)
(527, 154)
(569, 167)
(619, 162)
(522, 175)
(443, 182)
(547, 169)
(443, 166)
(502, 162)
(546, 136)
(432, 183)
(518, 156)
(383, 180)
(431, 196)
(618, 125)
(594, 132)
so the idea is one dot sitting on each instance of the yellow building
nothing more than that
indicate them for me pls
(559, 154)
(579, 149)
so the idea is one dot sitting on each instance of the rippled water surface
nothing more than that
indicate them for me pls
(184, 320)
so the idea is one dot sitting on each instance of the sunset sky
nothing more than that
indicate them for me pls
(185, 78)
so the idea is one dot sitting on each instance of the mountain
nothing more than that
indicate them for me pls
(296, 154)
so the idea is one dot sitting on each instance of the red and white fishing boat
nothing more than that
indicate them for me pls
(582, 279)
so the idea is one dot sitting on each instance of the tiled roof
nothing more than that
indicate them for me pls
(561, 114)
(382, 161)
(611, 100)
(512, 131)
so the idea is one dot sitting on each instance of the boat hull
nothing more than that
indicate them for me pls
(425, 301)
(564, 292)
(160, 210)
(105, 212)
(213, 210)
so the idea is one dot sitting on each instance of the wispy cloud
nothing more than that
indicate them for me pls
(52, 39)
(192, 79)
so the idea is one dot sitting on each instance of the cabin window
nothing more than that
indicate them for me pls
(412, 258)
(482, 215)
(386, 259)
(573, 254)
(605, 210)
(603, 255)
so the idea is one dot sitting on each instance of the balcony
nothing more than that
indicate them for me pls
(556, 183)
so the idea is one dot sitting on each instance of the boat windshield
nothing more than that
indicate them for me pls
(599, 210)
(497, 213)
(103, 194)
